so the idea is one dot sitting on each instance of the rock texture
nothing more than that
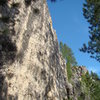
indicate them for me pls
(77, 88)
(31, 66)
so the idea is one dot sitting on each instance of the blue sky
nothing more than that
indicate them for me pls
(72, 29)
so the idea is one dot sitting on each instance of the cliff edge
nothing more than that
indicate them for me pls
(31, 66)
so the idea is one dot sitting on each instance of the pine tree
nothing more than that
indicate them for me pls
(67, 54)
(91, 11)
(69, 57)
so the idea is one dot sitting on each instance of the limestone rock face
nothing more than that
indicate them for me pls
(31, 66)
(79, 88)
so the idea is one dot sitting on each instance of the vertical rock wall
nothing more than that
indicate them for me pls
(32, 68)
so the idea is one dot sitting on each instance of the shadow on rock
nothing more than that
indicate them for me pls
(7, 50)
(3, 87)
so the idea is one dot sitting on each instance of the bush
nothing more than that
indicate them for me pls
(69, 71)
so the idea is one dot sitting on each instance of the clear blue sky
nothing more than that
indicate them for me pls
(71, 28)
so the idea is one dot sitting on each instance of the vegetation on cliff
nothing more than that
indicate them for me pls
(69, 57)
(92, 85)
(89, 84)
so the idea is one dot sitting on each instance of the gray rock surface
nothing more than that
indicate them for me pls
(31, 65)
(35, 70)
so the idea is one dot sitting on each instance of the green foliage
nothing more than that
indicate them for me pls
(91, 11)
(85, 84)
(92, 85)
(69, 57)
(94, 76)
(95, 90)
(67, 54)
(95, 87)
(82, 96)
(87, 79)
(69, 71)
(69, 99)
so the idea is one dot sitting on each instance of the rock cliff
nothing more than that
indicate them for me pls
(31, 66)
